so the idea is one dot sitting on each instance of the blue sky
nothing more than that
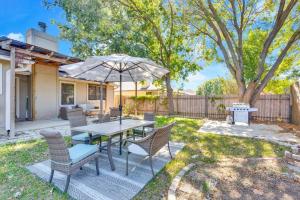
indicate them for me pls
(17, 16)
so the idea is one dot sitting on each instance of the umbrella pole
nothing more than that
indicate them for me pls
(135, 110)
(120, 105)
(101, 98)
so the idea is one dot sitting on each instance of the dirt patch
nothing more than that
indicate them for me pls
(240, 179)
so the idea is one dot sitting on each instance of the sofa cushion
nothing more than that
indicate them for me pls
(81, 151)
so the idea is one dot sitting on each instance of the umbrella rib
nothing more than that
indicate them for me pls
(131, 76)
(134, 66)
(93, 68)
(149, 72)
(108, 74)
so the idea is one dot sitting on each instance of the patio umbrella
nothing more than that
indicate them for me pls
(115, 68)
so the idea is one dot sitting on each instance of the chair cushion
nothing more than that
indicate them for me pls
(135, 149)
(81, 137)
(81, 151)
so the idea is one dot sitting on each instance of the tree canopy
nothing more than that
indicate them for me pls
(151, 28)
(257, 40)
(218, 86)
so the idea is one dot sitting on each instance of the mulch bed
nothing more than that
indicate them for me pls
(240, 179)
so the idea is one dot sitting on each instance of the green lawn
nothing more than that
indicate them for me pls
(14, 157)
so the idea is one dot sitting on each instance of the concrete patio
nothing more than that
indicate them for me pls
(272, 133)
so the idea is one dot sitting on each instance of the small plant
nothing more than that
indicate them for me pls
(128, 109)
(205, 187)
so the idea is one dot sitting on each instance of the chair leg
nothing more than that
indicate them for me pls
(100, 144)
(67, 183)
(127, 154)
(51, 175)
(97, 166)
(150, 159)
(121, 142)
(170, 150)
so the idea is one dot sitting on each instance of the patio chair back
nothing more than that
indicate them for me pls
(114, 112)
(149, 116)
(76, 117)
(160, 138)
(58, 150)
(104, 118)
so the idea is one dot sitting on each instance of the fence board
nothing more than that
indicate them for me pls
(270, 107)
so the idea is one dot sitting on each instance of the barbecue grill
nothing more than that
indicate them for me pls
(241, 112)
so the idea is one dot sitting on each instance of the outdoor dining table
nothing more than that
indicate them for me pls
(112, 129)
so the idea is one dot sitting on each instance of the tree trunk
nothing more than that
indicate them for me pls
(169, 95)
(249, 96)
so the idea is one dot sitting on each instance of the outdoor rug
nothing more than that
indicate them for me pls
(109, 184)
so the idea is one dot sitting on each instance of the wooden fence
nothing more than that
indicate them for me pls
(270, 107)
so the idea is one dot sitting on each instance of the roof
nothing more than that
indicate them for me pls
(130, 86)
(26, 48)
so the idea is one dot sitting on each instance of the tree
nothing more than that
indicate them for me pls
(152, 28)
(218, 86)
(256, 39)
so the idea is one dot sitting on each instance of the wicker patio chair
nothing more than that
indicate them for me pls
(145, 130)
(114, 112)
(102, 118)
(68, 161)
(150, 145)
(77, 118)
(294, 156)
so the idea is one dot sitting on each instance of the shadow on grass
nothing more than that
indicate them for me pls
(15, 178)
(210, 147)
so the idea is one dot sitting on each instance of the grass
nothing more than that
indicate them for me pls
(14, 157)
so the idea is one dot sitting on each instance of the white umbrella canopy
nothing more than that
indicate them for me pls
(109, 69)
(115, 68)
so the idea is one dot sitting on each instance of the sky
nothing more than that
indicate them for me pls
(17, 16)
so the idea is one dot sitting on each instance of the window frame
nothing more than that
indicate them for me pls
(97, 86)
(60, 93)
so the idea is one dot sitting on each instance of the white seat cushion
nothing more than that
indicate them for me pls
(135, 149)
(81, 151)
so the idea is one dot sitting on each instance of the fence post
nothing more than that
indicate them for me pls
(206, 106)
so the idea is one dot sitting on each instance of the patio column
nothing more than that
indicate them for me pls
(10, 96)
(135, 107)
(101, 98)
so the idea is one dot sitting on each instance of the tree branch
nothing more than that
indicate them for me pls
(295, 37)
(280, 19)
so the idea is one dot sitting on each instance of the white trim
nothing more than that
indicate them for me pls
(1, 79)
(18, 97)
(2, 57)
(7, 100)
(60, 86)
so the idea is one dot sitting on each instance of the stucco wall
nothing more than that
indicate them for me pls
(45, 91)
(5, 67)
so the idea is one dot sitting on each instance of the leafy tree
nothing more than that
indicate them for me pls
(218, 86)
(147, 28)
(278, 86)
(258, 40)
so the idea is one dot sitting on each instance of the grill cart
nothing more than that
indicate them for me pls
(241, 112)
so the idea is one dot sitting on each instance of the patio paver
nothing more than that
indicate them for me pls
(268, 132)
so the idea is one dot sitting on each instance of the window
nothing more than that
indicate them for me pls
(67, 94)
(94, 92)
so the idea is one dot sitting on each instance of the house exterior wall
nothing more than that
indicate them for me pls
(45, 90)
(4, 66)
(81, 93)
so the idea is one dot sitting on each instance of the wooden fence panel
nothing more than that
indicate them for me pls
(270, 107)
